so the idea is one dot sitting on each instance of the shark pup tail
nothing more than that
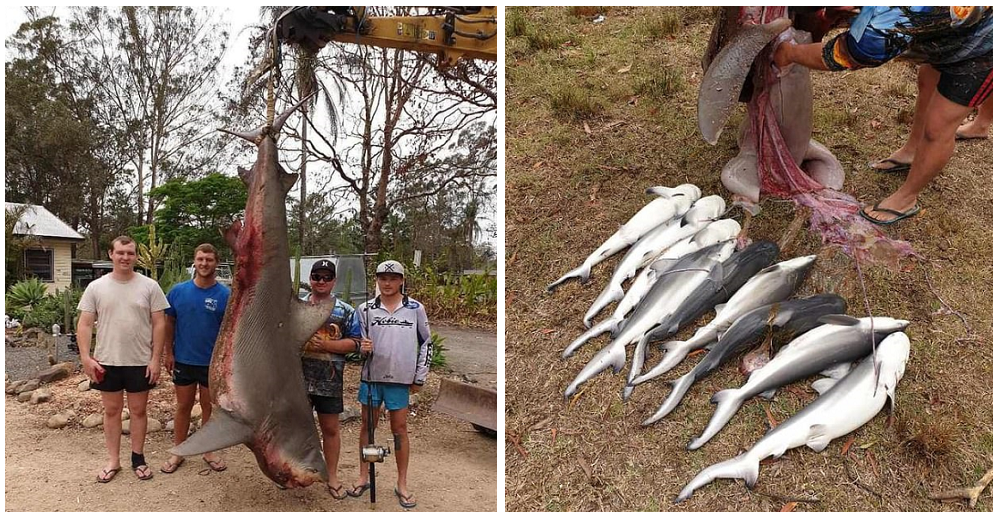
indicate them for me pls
(582, 272)
(680, 387)
(728, 403)
(591, 333)
(744, 467)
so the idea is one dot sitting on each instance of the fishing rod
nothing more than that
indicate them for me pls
(371, 453)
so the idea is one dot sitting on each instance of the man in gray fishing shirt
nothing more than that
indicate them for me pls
(394, 329)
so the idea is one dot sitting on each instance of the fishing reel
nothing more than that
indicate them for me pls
(374, 453)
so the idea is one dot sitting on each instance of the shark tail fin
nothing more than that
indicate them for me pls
(744, 467)
(221, 431)
(582, 272)
(728, 403)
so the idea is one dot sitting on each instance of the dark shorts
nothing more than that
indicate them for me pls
(186, 375)
(131, 379)
(327, 405)
(969, 90)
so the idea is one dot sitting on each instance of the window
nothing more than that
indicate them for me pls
(38, 262)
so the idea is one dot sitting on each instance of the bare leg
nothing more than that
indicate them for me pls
(329, 425)
(401, 443)
(182, 421)
(978, 128)
(137, 424)
(362, 442)
(927, 80)
(205, 399)
(934, 149)
(113, 403)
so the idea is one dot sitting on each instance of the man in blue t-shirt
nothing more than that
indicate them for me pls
(197, 307)
(323, 365)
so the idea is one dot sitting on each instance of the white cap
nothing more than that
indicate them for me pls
(390, 267)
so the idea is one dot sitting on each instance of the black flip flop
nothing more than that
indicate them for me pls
(337, 492)
(406, 502)
(173, 467)
(897, 166)
(107, 475)
(138, 469)
(357, 491)
(900, 215)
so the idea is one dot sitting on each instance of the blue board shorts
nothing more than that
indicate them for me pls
(396, 396)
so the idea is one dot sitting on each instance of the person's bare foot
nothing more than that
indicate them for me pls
(900, 160)
(972, 130)
(172, 464)
(214, 461)
(359, 488)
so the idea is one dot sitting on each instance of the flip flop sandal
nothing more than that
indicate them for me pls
(900, 215)
(107, 475)
(897, 166)
(140, 472)
(357, 491)
(337, 492)
(406, 502)
(963, 137)
(170, 468)
(216, 465)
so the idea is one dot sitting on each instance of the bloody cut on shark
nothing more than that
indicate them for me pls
(258, 391)
(777, 156)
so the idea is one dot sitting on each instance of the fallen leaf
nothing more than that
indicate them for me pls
(866, 445)
(540, 424)
(554, 435)
(615, 124)
(593, 194)
(585, 467)
(537, 164)
(625, 69)
(633, 100)
(847, 446)
(548, 331)
(770, 418)
(787, 508)
(696, 352)
(586, 128)
(875, 123)
(871, 460)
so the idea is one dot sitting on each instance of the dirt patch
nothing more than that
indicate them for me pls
(452, 467)
(573, 176)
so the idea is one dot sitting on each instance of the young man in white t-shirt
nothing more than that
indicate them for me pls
(128, 309)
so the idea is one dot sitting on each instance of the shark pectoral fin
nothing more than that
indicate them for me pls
(768, 394)
(232, 234)
(839, 319)
(822, 385)
(838, 371)
(717, 276)
(244, 175)
(221, 431)
(288, 180)
(305, 319)
(818, 439)
(660, 267)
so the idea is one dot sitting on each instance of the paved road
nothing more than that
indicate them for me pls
(470, 352)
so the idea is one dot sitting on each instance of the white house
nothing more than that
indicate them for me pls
(50, 259)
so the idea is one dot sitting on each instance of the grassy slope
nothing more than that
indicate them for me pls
(598, 112)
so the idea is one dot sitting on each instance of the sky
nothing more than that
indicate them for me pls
(236, 54)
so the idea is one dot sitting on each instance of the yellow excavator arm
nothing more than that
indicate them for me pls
(452, 33)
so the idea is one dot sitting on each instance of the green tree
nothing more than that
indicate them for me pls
(193, 212)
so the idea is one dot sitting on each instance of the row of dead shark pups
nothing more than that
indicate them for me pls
(685, 255)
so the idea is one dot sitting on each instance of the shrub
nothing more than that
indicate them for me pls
(25, 293)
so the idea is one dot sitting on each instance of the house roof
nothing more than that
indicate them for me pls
(41, 222)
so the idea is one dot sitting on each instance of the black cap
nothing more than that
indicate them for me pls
(324, 264)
